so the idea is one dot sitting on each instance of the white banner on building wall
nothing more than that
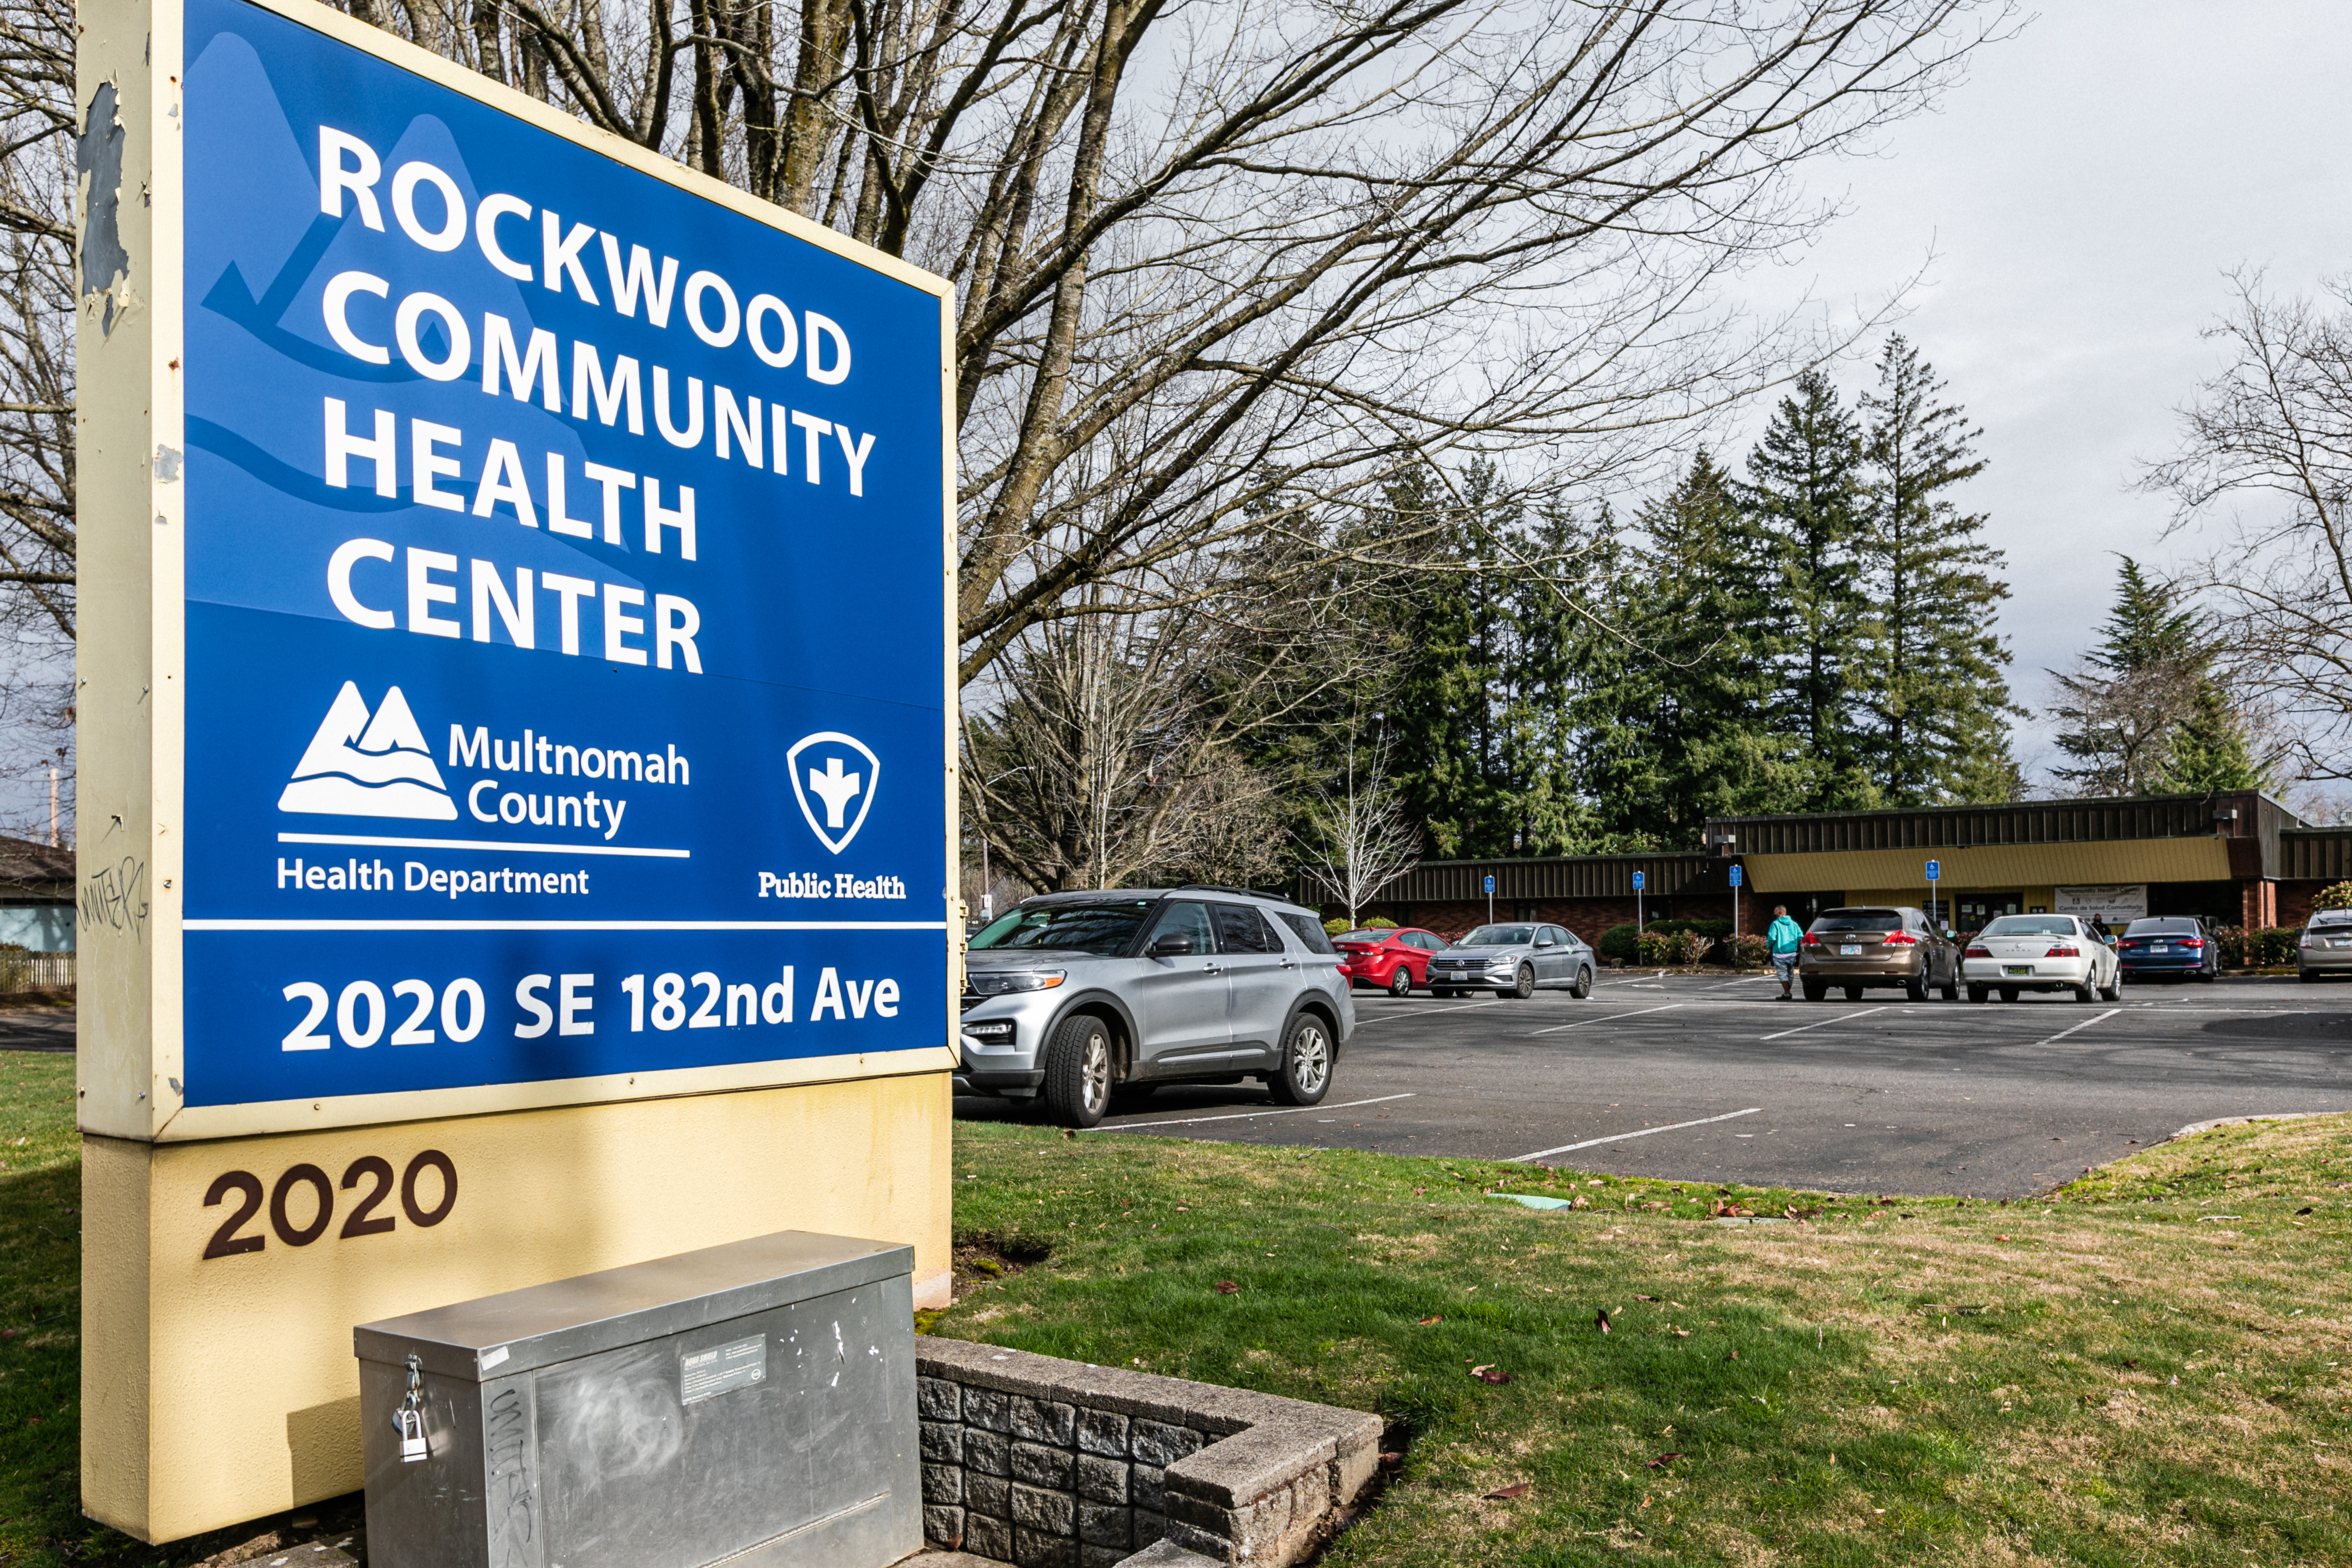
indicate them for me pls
(2113, 902)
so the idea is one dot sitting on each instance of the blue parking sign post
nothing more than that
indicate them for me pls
(1490, 900)
(1640, 881)
(518, 683)
(1736, 876)
(1935, 873)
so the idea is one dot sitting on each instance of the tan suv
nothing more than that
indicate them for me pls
(1877, 947)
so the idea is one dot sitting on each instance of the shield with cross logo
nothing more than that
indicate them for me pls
(840, 772)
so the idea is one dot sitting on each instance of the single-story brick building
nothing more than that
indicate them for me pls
(2231, 858)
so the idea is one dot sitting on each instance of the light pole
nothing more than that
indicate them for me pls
(987, 886)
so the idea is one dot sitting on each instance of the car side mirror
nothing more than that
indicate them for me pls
(1547, 942)
(1174, 944)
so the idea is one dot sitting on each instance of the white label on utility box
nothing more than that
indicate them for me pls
(739, 1363)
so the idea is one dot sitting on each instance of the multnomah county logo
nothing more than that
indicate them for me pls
(831, 773)
(358, 765)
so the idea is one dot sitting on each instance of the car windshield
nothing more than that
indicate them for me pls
(1499, 936)
(1860, 920)
(2162, 928)
(2030, 925)
(1104, 930)
(1373, 934)
(2331, 918)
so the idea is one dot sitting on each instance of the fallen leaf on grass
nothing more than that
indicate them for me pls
(1392, 1459)
(1068, 1132)
(1519, 1490)
(1645, 1298)
(2001, 1238)
(1601, 1320)
(1427, 1322)
(1227, 1287)
(1490, 1373)
(1678, 1334)
(1663, 1460)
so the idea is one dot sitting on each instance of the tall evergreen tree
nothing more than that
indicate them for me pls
(2212, 750)
(1436, 701)
(1680, 725)
(1933, 682)
(2142, 714)
(1804, 495)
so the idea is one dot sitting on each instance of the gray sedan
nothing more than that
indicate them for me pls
(1515, 960)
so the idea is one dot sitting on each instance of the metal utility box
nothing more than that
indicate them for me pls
(748, 1403)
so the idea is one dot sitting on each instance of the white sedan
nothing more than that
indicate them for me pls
(2040, 952)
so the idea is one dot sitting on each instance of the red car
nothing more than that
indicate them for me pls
(1396, 961)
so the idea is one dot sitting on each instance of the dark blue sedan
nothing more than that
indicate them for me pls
(2172, 945)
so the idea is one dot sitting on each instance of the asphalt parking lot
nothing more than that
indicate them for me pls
(1708, 1079)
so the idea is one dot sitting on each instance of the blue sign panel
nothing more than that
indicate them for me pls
(1935, 870)
(1640, 881)
(563, 604)
(1490, 884)
(1735, 876)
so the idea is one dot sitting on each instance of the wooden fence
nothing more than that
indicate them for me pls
(22, 970)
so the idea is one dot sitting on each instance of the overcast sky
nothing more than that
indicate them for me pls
(2084, 190)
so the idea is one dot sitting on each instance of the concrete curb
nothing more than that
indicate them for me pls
(2194, 1127)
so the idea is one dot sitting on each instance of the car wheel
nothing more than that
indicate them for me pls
(2009, 993)
(1400, 983)
(1523, 986)
(1952, 992)
(1979, 993)
(2086, 992)
(1916, 990)
(2204, 977)
(2114, 991)
(1853, 993)
(1815, 990)
(1305, 1075)
(1077, 1071)
(1583, 986)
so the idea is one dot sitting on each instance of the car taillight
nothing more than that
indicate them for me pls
(1812, 939)
(2064, 952)
(1980, 953)
(2192, 942)
(1901, 939)
(2303, 941)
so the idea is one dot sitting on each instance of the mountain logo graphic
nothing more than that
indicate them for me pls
(841, 769)
(363, 765)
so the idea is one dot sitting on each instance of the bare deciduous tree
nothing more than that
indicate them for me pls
(36, 401)
(2273, 432)
(1220, 268)
(1113, 747)
(2124, 721)
(1359, 838)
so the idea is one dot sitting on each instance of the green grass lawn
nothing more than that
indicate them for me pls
(2144, 1369)
(2118, 1375)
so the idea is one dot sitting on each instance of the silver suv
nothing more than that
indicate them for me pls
(1073, 998)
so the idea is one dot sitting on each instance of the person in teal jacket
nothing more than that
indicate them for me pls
(1784, 937)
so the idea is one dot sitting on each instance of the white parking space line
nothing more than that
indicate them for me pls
(1247, 1115)
(1637, 1013)
(1825, 1023)
(1428, 1011)
(2084, 1025)
(1620, 1138)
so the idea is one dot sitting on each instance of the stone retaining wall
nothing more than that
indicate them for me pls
(1047, 1463)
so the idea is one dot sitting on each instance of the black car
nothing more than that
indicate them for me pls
(2171, 945)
